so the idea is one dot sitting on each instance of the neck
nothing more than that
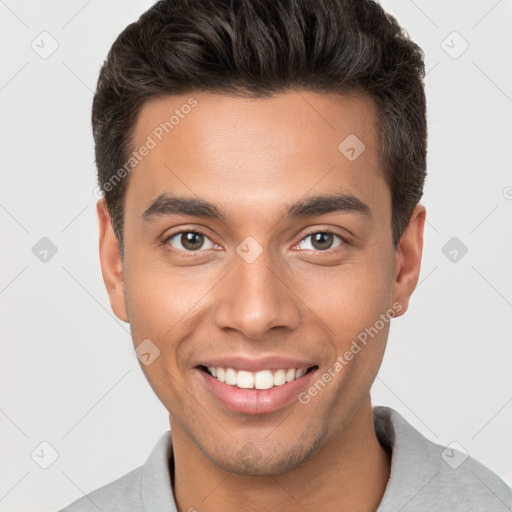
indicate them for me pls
(350, 472)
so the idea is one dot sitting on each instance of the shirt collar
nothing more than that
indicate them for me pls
(156, 483)
(413, 462)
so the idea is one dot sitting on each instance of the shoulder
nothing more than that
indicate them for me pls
(123, 493)
(427, 476)
(146, 488)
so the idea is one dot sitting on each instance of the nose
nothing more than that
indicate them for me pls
(256, 296)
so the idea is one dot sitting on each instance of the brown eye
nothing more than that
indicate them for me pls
(322, 241)
(189, 241)
(192, 241)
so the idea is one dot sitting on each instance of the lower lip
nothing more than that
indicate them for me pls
(255, 401)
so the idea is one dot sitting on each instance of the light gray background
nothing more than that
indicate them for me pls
(68, 374)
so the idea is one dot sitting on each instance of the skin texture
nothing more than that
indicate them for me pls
(253, 158)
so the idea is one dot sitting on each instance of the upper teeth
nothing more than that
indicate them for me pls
(264, 379)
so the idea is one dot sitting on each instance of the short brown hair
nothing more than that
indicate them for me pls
(258, 48)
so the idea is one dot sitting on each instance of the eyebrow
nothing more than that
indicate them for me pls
(166, 204)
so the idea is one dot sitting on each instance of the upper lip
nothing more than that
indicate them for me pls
(252, 364)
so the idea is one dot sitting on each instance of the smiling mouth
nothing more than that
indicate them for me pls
(263, 379)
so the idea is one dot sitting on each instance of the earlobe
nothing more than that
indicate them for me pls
(111, 262)
(408, 258)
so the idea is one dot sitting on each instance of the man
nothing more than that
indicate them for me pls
(262, 163)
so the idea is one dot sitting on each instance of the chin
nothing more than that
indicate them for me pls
(265, 460)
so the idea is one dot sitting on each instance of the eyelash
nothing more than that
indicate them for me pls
(188, 254)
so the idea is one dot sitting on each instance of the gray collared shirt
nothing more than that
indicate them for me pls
(425, 477)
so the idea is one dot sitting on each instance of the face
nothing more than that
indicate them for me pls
(257, 247)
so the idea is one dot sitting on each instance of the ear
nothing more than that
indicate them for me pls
(111, 262)
(408, 258)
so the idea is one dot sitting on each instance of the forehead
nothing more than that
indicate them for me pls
(249, 154)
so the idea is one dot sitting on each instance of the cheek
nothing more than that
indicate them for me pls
(164, 303)
(161, 310)
(369, 312)
(349, 296)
